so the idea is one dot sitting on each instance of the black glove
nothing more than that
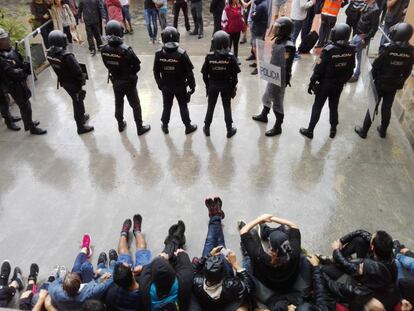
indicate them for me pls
(192, 90)
(313, 87)
(233, 95)
(160, 87)
(26, 68)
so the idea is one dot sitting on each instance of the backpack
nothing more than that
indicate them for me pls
(308, 42)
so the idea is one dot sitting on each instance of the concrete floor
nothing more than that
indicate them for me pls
(56, 187)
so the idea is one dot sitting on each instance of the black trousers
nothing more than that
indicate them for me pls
(77, 95)
(327, 23)
(124, 88)
(68, 34)
(21, 95)
(332, 93)
(307, 23)
(45, 34)
(352, 20)
(4, 105)
(168, 98)
(217, 21)
(197, 14)
(213, 93)
(92, 31)
(184, 7)
(6, 295)
(387, 97)
(234, 41)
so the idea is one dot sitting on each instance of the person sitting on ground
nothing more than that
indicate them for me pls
(43, 302)
(281, 275)
(404, 259)
(366, 278)
(166, 282)
(67, 293)
(215, 284)
(103, 266)
(25, 301)
(125, 293)
(406, 287)
(8, 290)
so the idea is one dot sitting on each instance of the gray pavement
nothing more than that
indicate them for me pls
(56, 187)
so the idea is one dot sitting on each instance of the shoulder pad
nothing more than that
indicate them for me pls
(329, 47)
(181, 51)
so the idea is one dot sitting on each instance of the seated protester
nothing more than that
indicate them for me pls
(404, 260)
(369, 277)
(103, 266)
(93, 305)
(406, 287)
(79, 285)
(215, 287)
(280, 274)
(125, 293)
(166, 282)
(25, 301)
(43, 302)
(8, 290)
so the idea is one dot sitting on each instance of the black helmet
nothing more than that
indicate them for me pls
(282, 28)
(221, 41)
(57, 39)
(170, 37)
(114, 28)
(214, 269)
(340, 33)
(401, 33)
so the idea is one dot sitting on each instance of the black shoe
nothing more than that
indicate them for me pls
(262, 117)
(359, 130)
(12, 126)
(37, 131)
(15, 119)
(241, 224)
(34, 272)
(113, 255)
(164, 128)
(306, 132)
(137, 223)
(332, 133)
(190, 128)
(143, 129)
(126, 227)
(5, 271)
(231, 132)
(103, 259)
(200, 36)
(254, 72)
(243, 41)
(276, 130)
(254, 65)
(85, 129)
(121, 126)
(180, 232)
(17, 276)
(206, 130)
(93, 52)
(381, 132)
(193, 33)
(85, 118)
(251, 57)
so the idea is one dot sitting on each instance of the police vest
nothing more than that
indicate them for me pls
(221, 68)
(173, 66)
(56, 59)
(116, 61)
(340, 63)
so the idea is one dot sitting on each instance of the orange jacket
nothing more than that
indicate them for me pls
(331, 7)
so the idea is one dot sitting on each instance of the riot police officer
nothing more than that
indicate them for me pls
(390, 70)
(14, 72)
(70, 77)
(274, 95)
(220, 71)
(333, 69)
(9, 120)
(173, 72)
(123, 66)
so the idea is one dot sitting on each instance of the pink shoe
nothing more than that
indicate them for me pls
(86, 242)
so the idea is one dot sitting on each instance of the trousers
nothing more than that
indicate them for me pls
(168, 98)
(75, 92)
(21, 95)
(184, 7)
(126, 88)
(213, 93)
(197, 13)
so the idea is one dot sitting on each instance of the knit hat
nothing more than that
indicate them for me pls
(163, 276)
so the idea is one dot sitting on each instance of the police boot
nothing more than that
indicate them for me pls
(85, 118)
(262, 117)
(306, 132)
(34, 130)
(82, 128)
(27, 127)
(361, 131)
(381, 131)
(142, 129)
(121, 126)
(164, 128)
(231, 132)
(332, 132)
(11, 125)
(206, 130)
(276, 130)
(190, 128)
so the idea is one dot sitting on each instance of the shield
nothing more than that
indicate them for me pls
(271, 64)
(373, 98)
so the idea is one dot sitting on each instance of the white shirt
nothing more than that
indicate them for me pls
(124, 2)
(299, 9)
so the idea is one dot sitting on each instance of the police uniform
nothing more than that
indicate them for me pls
(173, 72)
(5, 109)
(333, 69)
(220, 76)
(14, 72)
(71, 78)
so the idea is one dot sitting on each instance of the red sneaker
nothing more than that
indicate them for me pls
(86, 242)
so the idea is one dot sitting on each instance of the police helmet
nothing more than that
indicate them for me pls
(3, 34)
(57, 39)
(221, 41)
(340, 33)
(170, 37)
(114, 28)
(214, 269)
(282, 28)
(401, 33)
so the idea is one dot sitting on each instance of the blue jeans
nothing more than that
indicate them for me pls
(404, 263)
(151, 22)
(215, 236)
(83, 267)
(297, 27)
(104, 269)
(359, 47)
(383, 39)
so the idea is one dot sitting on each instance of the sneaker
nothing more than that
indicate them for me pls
(218, 205)
(126, 227)
(54, 274)
(254, 65)
(103, 259)
(86, 243)
(18, 278)
(62, 272)
(254, 72)
(251, 57)
(5, 271)
(210, 206)
(137, 223)
(113, 255)
(34, 272)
